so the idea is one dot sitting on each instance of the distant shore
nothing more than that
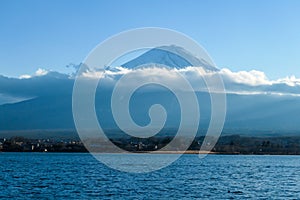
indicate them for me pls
(189, 152)
(231, 145)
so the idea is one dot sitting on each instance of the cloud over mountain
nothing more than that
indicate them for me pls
(241, 82)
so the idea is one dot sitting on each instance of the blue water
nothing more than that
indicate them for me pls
(81, 176)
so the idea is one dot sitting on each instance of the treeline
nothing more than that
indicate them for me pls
(234, 144)
(21, 144)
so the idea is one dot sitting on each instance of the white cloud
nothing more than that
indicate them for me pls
(39, 72)
(240, 82)
(257, 78)
(289, 80)
(25, 76)
(252, 78)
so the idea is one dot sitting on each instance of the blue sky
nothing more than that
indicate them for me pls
(239, 35)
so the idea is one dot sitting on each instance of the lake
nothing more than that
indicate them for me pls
(81, 176)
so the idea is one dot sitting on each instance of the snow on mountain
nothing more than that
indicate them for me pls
(171, 56)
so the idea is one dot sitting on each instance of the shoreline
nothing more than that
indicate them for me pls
(189, 152)
(228, 145)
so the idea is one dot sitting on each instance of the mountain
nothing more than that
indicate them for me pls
(45, 103)
(171, 56)
(244, 112)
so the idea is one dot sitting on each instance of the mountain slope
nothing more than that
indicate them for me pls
(171, 56)
(245, 112)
